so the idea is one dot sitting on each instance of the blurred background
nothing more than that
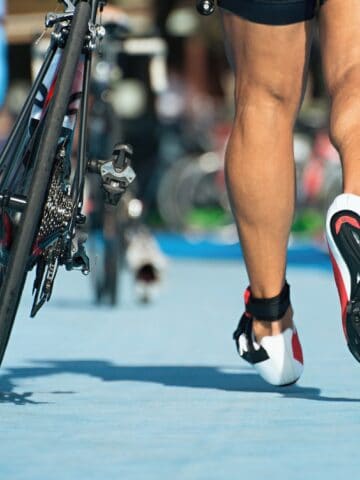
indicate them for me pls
(162, 83)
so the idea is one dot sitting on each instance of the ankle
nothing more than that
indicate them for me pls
(262, 328)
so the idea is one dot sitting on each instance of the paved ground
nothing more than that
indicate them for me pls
(158, 392)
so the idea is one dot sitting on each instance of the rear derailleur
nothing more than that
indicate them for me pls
(67, 250)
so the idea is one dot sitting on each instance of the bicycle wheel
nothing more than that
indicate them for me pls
(111, 270)
(15, 269)
(105, 275)
(108, 247)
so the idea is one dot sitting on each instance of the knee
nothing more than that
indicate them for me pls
(270, 102)
(345, 107)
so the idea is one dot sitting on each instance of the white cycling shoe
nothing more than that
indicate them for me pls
(343, 236)
(278, 358)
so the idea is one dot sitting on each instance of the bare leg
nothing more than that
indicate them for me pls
(269, 65)
(340, 41)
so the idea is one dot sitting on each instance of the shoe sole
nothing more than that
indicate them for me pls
(343, 235)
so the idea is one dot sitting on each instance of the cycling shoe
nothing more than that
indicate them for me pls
(343, 237)
(278, 358)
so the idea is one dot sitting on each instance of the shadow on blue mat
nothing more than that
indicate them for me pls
(173, 376)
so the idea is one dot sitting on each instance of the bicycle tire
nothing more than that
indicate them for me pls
(110, 263)
(106, 275)
(111, 271)
(16, 272)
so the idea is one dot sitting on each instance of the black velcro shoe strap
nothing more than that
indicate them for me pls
(251, 355)
(269, 309)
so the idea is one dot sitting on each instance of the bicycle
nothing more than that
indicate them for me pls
(41, 189)
(115, 230)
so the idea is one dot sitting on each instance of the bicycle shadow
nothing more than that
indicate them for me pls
(72, 304)
(199, 377)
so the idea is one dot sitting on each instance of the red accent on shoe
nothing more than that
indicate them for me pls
(247, 295)
(342, 291)
(346, 219)
(297, 350)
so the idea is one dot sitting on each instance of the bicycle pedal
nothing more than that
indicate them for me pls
(117, 173)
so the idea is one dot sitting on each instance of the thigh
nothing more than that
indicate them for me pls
(339, 23)
(267, 59)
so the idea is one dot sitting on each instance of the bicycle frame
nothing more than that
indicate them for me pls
(41, 93)
(41, 191)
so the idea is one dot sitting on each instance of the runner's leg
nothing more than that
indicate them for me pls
(269, 64)
(339, 23)
(340, 40)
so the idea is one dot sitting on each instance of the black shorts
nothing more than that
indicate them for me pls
(273, 12)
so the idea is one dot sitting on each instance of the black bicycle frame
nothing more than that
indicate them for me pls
(15, 142)
(81, 171)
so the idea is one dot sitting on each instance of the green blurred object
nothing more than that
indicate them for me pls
(207, 218)
(308, 222)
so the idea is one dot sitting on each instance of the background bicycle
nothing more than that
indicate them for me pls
(124, 86)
